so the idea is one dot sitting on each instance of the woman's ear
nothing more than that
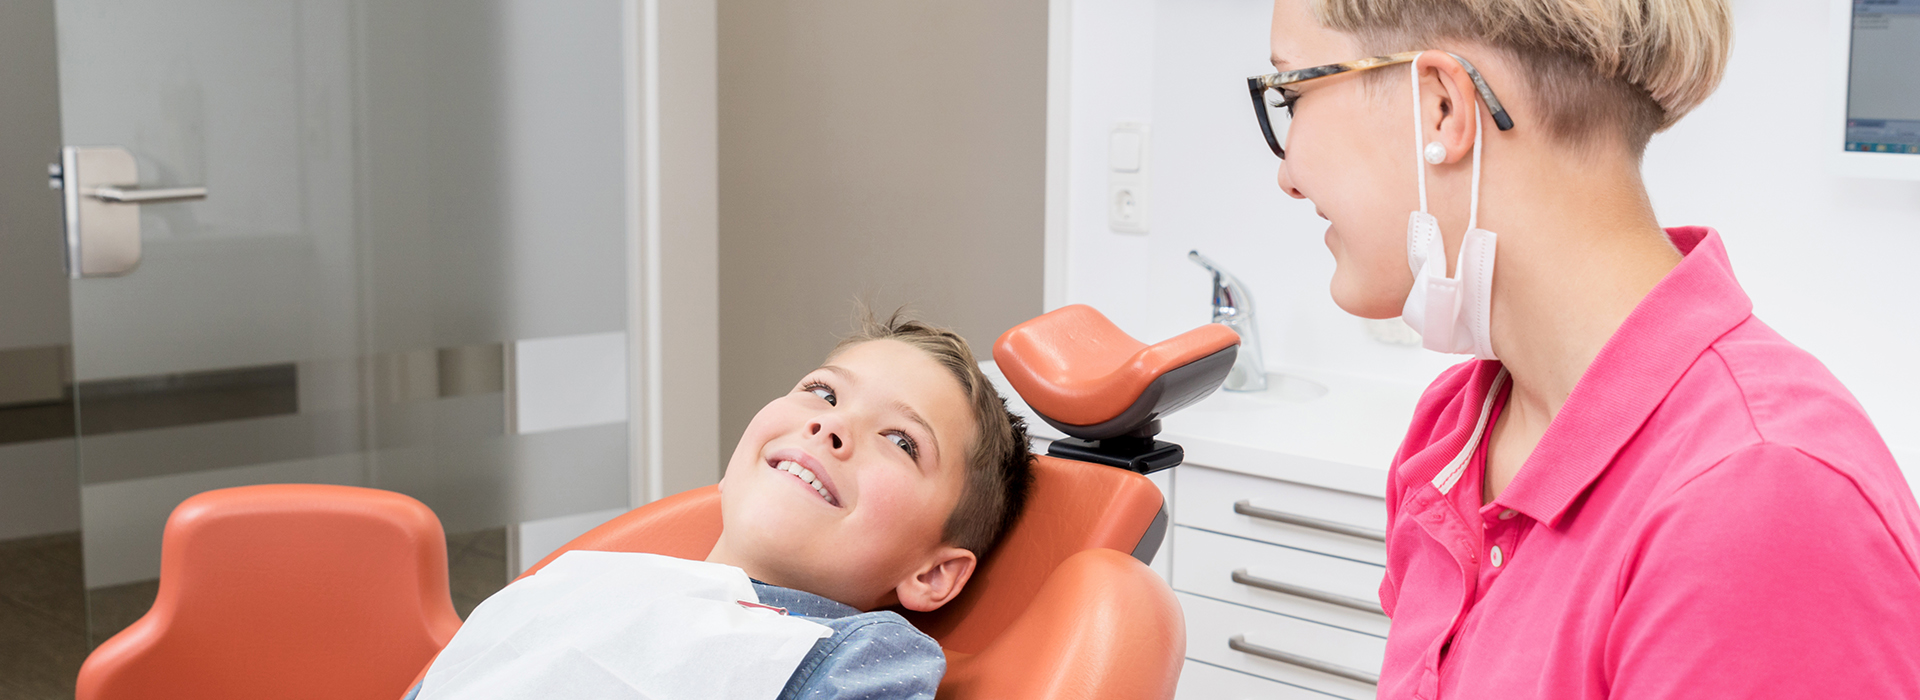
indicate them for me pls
(1447, 105)
(939, 581)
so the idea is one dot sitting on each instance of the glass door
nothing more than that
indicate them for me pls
(373, 243)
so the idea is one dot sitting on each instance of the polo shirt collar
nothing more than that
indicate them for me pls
(1697, 302)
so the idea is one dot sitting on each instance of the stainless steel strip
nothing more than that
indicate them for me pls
(1239, 643)
(1247, 508)
(1241, 576)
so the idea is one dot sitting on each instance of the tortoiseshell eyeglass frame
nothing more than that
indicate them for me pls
(1258, 85)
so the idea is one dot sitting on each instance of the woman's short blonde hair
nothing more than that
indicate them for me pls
(1638, 65)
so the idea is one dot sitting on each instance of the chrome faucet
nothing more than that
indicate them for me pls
(1233, 306)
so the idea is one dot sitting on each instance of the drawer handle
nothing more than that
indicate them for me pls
(1241, 576)
(1239, 643)
(1247, 508)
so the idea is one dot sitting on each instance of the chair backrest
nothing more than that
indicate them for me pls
(1073, 507)
(285, 591)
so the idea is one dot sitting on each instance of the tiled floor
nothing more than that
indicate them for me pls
(46, 622)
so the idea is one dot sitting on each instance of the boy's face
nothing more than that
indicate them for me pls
(883, 431)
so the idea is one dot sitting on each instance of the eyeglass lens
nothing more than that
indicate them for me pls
(1279, 117)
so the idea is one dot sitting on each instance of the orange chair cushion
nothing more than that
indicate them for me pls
(1102, 626)
(1074, 507)
(285, 591)
(1074, 366)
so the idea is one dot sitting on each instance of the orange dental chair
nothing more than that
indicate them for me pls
(305, 591)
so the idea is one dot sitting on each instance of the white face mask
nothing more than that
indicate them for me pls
(1452, 314)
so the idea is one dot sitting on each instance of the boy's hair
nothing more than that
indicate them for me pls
(1635, 66)
(999, 469)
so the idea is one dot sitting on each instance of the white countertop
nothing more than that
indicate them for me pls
(1311, 427)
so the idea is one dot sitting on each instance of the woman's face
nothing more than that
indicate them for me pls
(1350, 153)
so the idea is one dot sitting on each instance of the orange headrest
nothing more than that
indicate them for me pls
(1091, 380)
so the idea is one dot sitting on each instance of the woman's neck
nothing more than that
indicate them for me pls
(1579, 248)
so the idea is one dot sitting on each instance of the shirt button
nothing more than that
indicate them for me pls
(1508, 514)
(1495, 556)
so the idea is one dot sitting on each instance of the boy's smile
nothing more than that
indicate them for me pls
(807, 470)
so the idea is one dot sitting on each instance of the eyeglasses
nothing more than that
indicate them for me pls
(1273, 94)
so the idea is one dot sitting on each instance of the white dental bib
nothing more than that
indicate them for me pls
(623, 626)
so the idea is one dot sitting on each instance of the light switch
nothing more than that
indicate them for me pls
(1123, 152)
(1128, 165)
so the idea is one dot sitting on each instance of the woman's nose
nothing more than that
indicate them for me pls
(823, 429)
(1286, 182)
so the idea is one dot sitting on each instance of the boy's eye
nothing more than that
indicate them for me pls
(824, 392)
(905, 443)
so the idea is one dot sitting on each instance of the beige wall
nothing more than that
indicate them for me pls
(887, 149)
(690, 314)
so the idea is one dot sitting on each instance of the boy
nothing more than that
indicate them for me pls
(881, 479)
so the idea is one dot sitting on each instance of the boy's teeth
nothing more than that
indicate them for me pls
(806, 475)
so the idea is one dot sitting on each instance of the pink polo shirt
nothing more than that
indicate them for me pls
(1711, 515)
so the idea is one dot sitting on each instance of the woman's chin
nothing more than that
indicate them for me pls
(1363, 300)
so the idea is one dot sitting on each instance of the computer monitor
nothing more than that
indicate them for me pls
(1877, 101)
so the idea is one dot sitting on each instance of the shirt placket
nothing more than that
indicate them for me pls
(1446, 527)
(1503, 527)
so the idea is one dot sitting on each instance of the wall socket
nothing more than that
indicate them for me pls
(1128, 151)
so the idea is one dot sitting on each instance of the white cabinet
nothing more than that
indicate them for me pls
(1279, 583)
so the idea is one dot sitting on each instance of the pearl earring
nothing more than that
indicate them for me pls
(1435, 153)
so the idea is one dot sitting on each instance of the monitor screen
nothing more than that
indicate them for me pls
(1883, 77)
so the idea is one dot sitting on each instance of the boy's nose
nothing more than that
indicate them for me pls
(815, 428)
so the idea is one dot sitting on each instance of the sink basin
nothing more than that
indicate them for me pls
(1284, 388)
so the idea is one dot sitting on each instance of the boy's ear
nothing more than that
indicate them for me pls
(939, 581)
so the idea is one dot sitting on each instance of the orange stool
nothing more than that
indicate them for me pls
(285, 591)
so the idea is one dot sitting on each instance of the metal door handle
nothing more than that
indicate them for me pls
(1239, 643)
(1241, 576)
(135, 196)
(96, 184)
(1247, 508)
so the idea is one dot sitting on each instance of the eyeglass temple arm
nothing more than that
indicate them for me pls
(1500, 118)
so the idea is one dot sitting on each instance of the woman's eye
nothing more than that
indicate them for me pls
(905, 443)
(824, 392)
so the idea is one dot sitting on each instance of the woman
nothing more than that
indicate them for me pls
(1637, 489)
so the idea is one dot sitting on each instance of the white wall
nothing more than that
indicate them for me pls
(1820, 255)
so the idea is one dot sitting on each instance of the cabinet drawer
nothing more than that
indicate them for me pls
(1335, 591)
(1200, 681)
(1315, 655)
(1305, 517)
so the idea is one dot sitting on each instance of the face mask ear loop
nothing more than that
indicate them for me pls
(1473, 204)
(1419, 163)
